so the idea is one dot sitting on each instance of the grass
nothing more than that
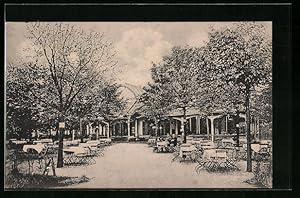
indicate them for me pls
(36, 181)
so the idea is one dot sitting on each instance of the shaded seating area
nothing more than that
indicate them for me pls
(161, 147)
(84, 153)
(78, 156)
(216, 160)
(39, 158)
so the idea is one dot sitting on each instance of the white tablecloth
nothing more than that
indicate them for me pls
(37, 147)
(152, 140)
(96, 142)
(196, 142)
(76, 150)
(106, 140)
(256, 147)
(187, 149)
(227, 142)
(18, 141)
(164, 143)
(86, 145)
(214, 153)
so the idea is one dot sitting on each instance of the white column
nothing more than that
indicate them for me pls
(182, 128)
(73, 134)
(207, 126)
(141, 127)
(197, 125)
(258, 129)
(176, 127)
(136, 128)
(190, 125)
(100, 130)
(97, 133)
(107, 131)
(128, 128)
(91, 132)
(212, 129)
(226, 124)
(87, 130)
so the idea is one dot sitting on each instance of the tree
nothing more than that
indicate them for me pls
(69, 62)
(22, 111)
(262, 104)
(109, 103)
(180, 76)
(156, 101)
(241, 56)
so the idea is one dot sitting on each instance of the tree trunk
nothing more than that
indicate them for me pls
(237, 125)
(249, 161)
(60, 160)
(80, 129)
(184, 124)
(156, 128)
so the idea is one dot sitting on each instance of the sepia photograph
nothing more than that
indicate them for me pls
(138, 105)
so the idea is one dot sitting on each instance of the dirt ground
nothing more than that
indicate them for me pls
(132, 165)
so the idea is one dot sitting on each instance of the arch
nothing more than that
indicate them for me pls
(136, 91)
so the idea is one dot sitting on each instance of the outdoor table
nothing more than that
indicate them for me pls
(261, 151)
(75, 150)
(161, 146)
(207, 147)
(207, 144)
(46, 140)
(186, 151)
(18, 141)
(36, 147)
(151, 140)
(227, 142)
(196, 142)
(242, 140)
(93, 142)
(87, 145)
(105, 140)
(67, 143)
(74, 142)
(186, 145)
(256, 147)
(76, 155)
(216, 159)
(268, 142)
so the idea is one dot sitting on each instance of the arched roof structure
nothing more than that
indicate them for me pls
(137, 91)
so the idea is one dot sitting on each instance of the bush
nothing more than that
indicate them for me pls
(263, 173)
(23, 181)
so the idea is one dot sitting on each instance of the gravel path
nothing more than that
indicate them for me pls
(129, 165)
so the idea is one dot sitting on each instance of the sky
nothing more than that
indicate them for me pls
(137, 44)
